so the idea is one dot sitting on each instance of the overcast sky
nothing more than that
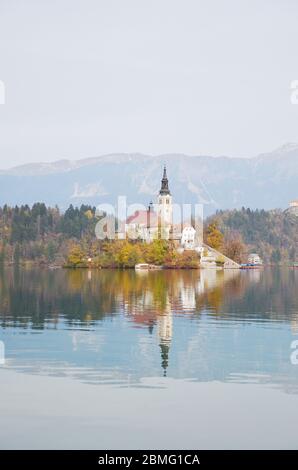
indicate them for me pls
(88, 77)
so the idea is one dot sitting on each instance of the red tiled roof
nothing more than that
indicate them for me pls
(142, 218)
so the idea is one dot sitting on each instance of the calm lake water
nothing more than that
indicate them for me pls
(165, 359)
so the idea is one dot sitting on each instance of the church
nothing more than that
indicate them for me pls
(157, 220)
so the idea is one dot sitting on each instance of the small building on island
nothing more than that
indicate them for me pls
(293, 208)
(254, 259)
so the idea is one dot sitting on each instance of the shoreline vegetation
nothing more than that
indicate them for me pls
(127, 254)
(45, 236)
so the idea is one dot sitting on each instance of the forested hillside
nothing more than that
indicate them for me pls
(272, 234)
(45, 235)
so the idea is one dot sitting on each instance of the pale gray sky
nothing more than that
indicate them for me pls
(88, 77)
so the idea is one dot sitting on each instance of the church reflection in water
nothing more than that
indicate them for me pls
(162, 295)
(122, 326)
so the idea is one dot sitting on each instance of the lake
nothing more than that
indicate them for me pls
(152, 360)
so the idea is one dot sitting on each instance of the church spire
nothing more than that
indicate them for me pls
(164, 190)
(164, 357)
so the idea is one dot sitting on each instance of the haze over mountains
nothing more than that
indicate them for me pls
(267, 181)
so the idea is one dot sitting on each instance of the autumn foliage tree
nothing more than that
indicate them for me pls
(234, 248)
(76, 257)
(213, 236)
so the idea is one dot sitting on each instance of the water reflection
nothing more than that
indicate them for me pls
(122, 326)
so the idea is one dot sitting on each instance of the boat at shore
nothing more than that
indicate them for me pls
(294, 265)
(251, 266)
(147, 267)
(253, 262)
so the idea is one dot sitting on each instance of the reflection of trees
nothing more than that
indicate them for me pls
(270, 296)
(42, 299)
(39, 297)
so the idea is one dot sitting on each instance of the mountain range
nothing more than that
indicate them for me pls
(267, 181)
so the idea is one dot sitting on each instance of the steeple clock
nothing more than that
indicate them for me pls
(165, 210)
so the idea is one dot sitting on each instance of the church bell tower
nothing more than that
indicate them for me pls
(165, 210)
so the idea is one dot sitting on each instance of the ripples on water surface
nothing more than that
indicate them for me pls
(144, 329)
(121, 326)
